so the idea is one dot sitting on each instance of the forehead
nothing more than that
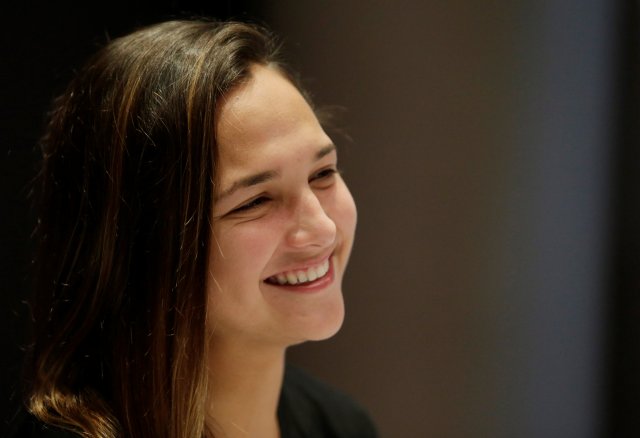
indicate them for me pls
(263, 116)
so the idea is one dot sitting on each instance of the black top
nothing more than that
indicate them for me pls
(308, 408)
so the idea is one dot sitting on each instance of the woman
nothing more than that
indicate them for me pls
(192, 226)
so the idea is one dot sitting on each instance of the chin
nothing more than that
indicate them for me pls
(327, 326)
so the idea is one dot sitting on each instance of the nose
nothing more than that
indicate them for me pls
(311, 225)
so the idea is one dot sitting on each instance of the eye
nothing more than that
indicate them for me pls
(253, 204)
(324, 177)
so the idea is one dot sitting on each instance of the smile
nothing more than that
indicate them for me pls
(301, 276)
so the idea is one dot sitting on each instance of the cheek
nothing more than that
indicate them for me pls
(345, 213)
(240, 252)
(237, 259)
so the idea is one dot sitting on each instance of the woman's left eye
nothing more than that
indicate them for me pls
(324, 174)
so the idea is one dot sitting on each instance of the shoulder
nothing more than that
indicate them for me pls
(25, 425)
(309, 408)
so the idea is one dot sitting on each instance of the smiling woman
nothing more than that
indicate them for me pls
(192, 226)
(295, 222)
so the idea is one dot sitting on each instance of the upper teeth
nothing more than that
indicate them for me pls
(303, 276)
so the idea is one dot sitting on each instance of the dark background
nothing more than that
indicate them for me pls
(494, 288)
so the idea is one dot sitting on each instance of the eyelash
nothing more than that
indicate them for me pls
(260, 200)
(251, 204)
(324, 173)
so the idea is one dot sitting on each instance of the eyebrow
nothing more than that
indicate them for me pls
(262, 177)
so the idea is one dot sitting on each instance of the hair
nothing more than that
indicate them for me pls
(125, 192)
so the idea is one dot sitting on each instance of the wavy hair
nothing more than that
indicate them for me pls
(125, 192)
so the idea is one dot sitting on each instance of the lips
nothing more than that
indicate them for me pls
(301, 276)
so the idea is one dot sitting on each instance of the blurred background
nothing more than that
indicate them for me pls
(493, 150)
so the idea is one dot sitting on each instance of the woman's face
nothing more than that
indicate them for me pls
(283, 219)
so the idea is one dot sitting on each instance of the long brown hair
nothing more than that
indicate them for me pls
(125, 193)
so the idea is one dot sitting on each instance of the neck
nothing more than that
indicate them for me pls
(245, 384)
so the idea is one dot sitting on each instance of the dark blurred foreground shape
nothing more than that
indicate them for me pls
(495, 160)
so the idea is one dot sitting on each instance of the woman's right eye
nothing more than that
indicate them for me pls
(254, 203)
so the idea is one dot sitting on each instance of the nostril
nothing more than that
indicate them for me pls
(311, 225)
(320, 233)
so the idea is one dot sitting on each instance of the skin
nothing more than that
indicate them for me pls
(281, 207)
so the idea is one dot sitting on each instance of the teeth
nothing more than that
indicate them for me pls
(312, 274)
(291, 278)
(302, 276)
